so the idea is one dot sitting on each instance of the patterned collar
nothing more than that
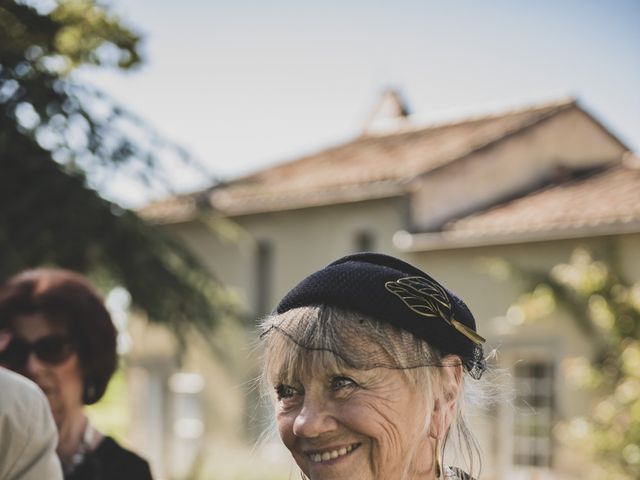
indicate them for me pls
(453, 473)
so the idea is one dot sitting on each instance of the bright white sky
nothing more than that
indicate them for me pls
(245, 84)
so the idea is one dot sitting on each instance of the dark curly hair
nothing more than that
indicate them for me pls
(68, 299)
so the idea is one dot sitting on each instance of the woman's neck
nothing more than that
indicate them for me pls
(423, 465)
(70, 435)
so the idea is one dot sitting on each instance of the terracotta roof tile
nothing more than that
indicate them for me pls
(172, 210)
(611, 196)
(371, 163)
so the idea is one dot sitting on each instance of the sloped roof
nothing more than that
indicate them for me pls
(372, 166)
(178, 209)
(604, 202)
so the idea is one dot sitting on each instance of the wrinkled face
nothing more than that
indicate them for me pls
(354, 424)
(61, 382)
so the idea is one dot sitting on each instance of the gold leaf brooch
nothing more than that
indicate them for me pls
(428, 299)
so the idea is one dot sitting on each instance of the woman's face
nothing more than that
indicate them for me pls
(60, 382)
(354, 424)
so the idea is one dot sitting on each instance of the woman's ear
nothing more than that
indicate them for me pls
(446, 401)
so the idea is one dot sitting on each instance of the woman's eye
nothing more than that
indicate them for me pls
(285, 391)
(339, 383)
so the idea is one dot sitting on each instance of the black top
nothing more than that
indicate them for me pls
(111, 462)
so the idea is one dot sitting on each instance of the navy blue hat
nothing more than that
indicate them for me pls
(398, 293)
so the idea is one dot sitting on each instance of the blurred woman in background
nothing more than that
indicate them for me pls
(62, 338)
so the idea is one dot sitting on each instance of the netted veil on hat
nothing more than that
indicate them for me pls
(395, 293)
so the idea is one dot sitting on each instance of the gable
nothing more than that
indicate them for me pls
(602, 202)
(569, 141)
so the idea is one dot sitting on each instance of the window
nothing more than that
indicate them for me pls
(364, 241)
(263, 277)
(532, 425)
(188, 421)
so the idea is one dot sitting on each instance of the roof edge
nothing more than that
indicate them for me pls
(602, 124)
(319, 199)
(560, 105)
(434, 241)
(561, 108)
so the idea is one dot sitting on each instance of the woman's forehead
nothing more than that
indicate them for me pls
(301, 361)
(318, 364)
(344, 342)
(35, 325)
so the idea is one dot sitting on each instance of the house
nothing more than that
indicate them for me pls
(526, 185)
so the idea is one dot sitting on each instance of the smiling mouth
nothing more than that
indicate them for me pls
(328, 455)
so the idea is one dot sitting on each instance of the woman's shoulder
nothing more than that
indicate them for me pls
(123, 462)
(454, 473)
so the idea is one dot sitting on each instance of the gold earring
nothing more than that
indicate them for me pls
(438, 462)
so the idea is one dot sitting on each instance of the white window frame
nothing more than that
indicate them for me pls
(546, 351)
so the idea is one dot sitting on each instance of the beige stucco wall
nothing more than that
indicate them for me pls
(303, 241)
(569, 139)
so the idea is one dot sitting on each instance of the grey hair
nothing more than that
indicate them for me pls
(337, 337)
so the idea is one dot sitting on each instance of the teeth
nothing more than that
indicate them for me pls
(324, 456)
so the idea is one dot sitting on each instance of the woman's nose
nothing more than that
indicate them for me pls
(315, 419)
(33, 366)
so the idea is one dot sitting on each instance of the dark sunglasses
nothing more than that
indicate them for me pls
(52, 349)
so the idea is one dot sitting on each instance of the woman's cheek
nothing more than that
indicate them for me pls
(387, 432)
(5, 338)
(284, 421)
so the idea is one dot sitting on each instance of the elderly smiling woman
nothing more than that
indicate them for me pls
(366, 361)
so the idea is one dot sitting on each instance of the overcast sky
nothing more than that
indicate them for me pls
(246, 84)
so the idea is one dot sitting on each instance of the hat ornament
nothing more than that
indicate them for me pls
(427, 298)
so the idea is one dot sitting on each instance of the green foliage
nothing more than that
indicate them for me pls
(55, 133)
(607, 308)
